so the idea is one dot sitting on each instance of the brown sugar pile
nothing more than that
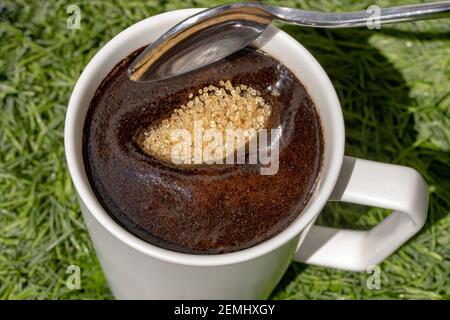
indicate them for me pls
(224, 108)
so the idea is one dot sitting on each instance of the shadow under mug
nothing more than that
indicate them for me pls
(136, 269)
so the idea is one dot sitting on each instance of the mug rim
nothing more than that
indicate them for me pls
(87, 196)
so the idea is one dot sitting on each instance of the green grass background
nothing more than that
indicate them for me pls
(394, 86)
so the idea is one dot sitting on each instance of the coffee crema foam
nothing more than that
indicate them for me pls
(210, 127)
(202, 209)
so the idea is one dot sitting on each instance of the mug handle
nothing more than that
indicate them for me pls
(389, 186)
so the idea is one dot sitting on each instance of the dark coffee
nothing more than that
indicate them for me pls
(202, 209)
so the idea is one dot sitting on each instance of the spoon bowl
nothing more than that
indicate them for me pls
(215, 33)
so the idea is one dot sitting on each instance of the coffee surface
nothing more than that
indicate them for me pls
(202, 209)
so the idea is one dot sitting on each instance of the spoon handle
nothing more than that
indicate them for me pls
(362, 18)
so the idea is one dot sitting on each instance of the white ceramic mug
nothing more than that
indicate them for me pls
(136, 269)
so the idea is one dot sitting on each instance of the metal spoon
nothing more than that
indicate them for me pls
(218, 32)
